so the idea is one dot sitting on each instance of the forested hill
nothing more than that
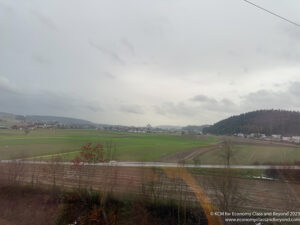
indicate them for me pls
(262, 121)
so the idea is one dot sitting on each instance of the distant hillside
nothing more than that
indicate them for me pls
(7, 116)
(63, 120)
(262, 121)
(194, 128)
(169, 127)
(8, 119)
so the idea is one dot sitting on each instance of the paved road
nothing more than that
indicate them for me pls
(162, 164)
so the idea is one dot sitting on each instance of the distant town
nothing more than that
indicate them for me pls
(117, 128)
(273, 137)
(28, 123)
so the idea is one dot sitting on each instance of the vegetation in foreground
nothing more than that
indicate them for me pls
(44, 206)
(25, 205)
(88, 207)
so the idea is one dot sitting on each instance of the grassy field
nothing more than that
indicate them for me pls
(133, 147)
(254, 154)
(129, 146)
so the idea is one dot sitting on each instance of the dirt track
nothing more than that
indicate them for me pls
(188, 154)
(191, 153)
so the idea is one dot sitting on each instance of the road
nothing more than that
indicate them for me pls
(163, 164)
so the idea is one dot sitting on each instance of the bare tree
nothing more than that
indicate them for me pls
(26, 131)
(54, 168)
(15, 171)
(227, 152)
(225, 187)
(110, 170)
(77, 167)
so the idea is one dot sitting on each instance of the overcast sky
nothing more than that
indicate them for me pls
(134, 62)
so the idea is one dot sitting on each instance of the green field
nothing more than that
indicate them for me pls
(254, 154)
(129, 146)
(133, 147)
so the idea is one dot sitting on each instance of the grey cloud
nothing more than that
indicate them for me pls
(46, 21)
(63, 102)
(194, 112)
(203, 98)
(6, 8)
(211, 104)
(224, 105)
(118, 51)
(41, 102)
(135, 109)
(262, 99)
(108, 75)
(93, 108)
(155, 27)
(128, 45)
(295, 88)
(196, 106)
(227, 101)
(171, 108)
(7, 86)
(41, 59)
(114, 56)
(266, 99)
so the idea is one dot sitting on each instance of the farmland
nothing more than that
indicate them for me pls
(68, 143)
(246, 154)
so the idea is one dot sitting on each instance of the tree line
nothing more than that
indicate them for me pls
(262, 121)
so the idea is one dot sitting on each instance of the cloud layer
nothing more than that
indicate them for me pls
(138, 62)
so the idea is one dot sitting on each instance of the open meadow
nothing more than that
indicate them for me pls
(249, 154)
(67, 144)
